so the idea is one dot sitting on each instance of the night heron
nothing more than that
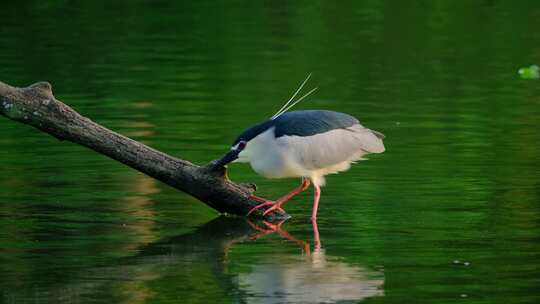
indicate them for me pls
(308, 144)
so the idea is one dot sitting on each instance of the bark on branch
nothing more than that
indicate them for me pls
(36, 106)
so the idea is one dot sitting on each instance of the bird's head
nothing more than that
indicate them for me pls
(234, 154)
(241, 151)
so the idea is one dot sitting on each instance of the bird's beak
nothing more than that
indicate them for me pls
(227, 158)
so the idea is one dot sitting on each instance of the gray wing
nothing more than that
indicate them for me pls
(333, 147)
(312, 122)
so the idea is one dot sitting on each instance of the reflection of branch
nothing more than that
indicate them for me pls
(138, 204)
(36, 106)
(199, 256)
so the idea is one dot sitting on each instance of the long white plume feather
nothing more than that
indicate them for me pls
(288, 104)
(300, 99)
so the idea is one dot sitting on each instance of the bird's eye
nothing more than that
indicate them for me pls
(241, 145)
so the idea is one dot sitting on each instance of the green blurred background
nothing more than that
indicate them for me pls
(450, 212)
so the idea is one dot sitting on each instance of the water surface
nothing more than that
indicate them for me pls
(450, 212)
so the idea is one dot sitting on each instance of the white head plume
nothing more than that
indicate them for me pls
(288, 105)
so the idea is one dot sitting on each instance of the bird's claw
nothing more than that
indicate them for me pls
(275, 206)
(259, 206)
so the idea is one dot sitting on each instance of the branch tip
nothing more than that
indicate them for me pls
(43, 87)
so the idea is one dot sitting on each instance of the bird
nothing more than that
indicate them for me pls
(306, 144)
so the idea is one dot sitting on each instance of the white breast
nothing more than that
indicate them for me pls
(269, 158)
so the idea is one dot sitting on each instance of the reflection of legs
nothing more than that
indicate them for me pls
(302, 244)
(271, 228)
(277, 204)
(316, 197)
(316, 238)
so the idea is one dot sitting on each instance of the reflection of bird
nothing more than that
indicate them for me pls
(319, 279)
(310, 278)
(307, 144)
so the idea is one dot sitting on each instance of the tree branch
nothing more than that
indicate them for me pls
(36, 106)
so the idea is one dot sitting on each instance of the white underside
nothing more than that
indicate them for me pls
(311, 156)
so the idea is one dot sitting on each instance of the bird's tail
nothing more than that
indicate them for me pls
(368, 140)
(378, 134)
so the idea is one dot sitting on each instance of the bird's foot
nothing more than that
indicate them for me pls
(274, 206)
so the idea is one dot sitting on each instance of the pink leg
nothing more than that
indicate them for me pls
(287, 197)
(317, 196)
(277, 204)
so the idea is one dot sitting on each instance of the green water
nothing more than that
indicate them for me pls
(450, 213)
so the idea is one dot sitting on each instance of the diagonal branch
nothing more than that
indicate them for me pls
(36, 106)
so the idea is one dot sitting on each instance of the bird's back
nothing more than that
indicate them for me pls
(325, 141)
(311, 122)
